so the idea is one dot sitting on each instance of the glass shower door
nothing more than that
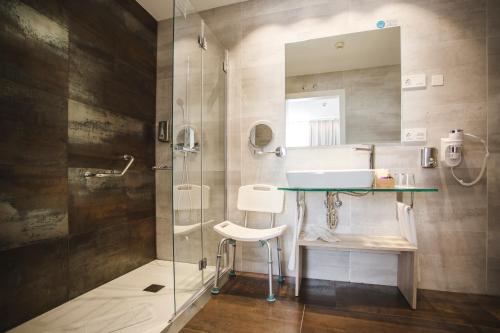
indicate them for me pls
(187, 155)
(213, 147)
(199, 102)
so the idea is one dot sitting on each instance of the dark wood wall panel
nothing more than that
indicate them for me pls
(111, 86)
(98, 256)
(34, 279)
(77, 91)
(33, 123)
(111, 110)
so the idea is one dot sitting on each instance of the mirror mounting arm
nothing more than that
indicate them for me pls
(279, 151)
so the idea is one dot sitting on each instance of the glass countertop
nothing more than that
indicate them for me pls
(368, 189)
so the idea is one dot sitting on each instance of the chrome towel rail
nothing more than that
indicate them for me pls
(112, 173)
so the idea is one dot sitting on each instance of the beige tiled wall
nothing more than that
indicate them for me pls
(437, 37)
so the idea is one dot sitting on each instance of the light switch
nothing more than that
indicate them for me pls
(414, 135)
(437, 80)
(417, 81)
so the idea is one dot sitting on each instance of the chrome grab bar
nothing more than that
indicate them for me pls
(112, 173)
(161, 167)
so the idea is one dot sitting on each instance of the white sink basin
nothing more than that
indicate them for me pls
(352, 178)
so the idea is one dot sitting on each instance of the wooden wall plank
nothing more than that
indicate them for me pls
(78, 85)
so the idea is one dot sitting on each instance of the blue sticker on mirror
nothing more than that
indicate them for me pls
(380, 24)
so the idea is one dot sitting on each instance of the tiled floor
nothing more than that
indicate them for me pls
(327, 306)
(121, 305)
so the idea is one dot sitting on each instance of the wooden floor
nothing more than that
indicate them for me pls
(327, 306)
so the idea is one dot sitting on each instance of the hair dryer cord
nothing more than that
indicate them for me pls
(483, 168)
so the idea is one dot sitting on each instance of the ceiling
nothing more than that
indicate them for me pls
(163, 9)
(366, 49)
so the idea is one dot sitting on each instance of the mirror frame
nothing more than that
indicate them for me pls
(255, 124)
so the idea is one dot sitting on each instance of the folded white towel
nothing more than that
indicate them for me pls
(406, 219)
(296, 234)
(315, 232)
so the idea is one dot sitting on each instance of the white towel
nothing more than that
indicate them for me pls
(315, 232)
(406, 219)
(296, 234)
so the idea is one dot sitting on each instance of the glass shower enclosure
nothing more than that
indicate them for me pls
(198, 151)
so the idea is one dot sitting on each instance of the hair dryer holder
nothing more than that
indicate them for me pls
(451, 153)
(451, 148)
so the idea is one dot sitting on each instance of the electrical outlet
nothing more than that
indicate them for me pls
(414, 135)
(417, 81)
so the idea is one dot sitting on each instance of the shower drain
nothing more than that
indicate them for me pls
(154, 288)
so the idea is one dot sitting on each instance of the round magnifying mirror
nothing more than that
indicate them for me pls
(186, 138)
(261, 135)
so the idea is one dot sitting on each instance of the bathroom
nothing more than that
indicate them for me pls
(133, 130)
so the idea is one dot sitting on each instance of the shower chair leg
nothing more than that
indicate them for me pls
(232, 271)
(215, 290)
(281, 278)
(270, 297)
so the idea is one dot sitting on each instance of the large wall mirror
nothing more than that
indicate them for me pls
(344, 89)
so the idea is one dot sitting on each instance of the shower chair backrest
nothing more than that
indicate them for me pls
(260, 198)
(191, 197)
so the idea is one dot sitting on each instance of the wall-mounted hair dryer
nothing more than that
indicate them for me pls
(451, 153)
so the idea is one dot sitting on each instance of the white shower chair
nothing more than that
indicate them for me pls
(253, 198)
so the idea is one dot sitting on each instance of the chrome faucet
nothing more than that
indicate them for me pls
(371, 149)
